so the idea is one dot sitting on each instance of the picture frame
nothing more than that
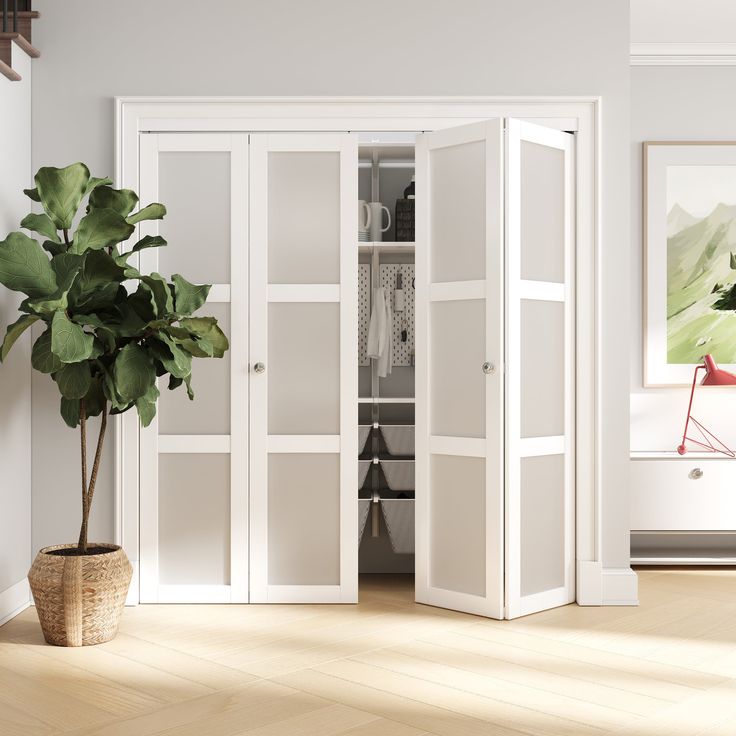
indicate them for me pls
(689, 276)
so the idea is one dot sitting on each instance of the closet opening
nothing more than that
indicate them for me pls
(386, 363)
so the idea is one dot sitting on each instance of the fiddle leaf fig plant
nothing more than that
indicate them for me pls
(109, 331)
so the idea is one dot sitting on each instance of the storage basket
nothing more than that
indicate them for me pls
(399, 474)
(399, 439)
(404, 220)
(398, 514)
(364, 431)
(363, 467)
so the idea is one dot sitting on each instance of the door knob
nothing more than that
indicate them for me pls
(489, 368)
(259, 368)
(695, 474)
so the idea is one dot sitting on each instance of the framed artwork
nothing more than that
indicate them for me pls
(689, 232)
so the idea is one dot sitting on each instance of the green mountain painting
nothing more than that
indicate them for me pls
(701, 284)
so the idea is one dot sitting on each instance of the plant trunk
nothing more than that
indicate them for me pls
(88, 490)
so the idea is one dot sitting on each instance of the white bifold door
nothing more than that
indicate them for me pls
(193, 456)
(304, 368)
(495, 359)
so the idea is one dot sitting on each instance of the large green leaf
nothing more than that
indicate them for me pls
(95, 400)
(133, 372)
(175, 360)
(74, 380)
(32, 194)
(69, 342)
(42, 225)
(66, 267)
(42, 359)
(162, 297)
(100, 229)
(61, 192)
(70, 410)
(96, 181)
(14, 332)
(146, 405)
(154, 211)
(25, 267)
(121, 200)
(149, 241)
(190, 390)
(54, 249)
(205, 328)
(188, 298)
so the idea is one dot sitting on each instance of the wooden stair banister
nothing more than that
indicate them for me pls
(16, 29)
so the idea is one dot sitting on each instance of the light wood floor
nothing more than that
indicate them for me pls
(388, 667)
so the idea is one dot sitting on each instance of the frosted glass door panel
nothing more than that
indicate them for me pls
(459, 389)
(458, 212)
(194, 519)
(542, 213)
(457, 499)
(304, 376)
(195, 187)
(542, 524)
(457, 352)
(209, 413)
(542, 366)
(304, 519)
(304, 217)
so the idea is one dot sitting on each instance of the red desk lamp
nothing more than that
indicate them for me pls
(714, 376)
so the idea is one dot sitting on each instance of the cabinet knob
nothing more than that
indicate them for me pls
(695, 474)
(488, 368)
(259, 368)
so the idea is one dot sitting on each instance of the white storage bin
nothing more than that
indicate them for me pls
(364, 431)
(398, 514)
(399, 439)
(399, 474)
(363, 467)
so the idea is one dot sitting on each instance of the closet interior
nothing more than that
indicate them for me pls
(386, 485)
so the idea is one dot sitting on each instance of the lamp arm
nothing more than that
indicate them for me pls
(682, 448)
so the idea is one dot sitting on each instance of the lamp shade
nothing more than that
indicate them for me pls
(715, 376)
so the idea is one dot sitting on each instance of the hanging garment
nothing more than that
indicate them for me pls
(380, 329)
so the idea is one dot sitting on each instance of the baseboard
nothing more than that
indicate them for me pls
(13, 600)
(599, 586)
(620, 587)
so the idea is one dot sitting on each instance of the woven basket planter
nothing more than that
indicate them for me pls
(79, 599)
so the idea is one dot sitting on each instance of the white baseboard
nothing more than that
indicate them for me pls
(620, 587)
(13, 600)
(599, 586)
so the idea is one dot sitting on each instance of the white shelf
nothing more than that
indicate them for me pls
(674, 455)
(386, 247)
(666, 560)
(386, 400)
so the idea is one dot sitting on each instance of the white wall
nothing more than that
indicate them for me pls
(94, 50)
(15, 373)
(673, 103)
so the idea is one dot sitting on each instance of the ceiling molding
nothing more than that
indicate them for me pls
(683, 54)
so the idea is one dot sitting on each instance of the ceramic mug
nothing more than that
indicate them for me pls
(364, 216)
(377, 209)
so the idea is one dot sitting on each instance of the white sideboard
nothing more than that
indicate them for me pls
(683, 509)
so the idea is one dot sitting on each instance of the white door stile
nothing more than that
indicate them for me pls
(489, 448)
(153, 444)
(518, 447)
(346, 443)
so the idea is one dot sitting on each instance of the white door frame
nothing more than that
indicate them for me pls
(134, 115)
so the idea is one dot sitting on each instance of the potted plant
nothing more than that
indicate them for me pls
(105, 345)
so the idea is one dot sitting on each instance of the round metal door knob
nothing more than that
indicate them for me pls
(695, 474)
(489, 368)
(259, 368)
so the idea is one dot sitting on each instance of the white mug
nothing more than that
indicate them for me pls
(377, 209)
(364, 216)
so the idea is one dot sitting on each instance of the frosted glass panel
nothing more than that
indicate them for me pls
(209, 413)
(303, 368)
(304, 218)
(542, 368)
(458, 385)
(194, 519)
(195, 187)
(542, 523)
(458, 212)
(542, 213)
(304, 519)
(457, 535)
